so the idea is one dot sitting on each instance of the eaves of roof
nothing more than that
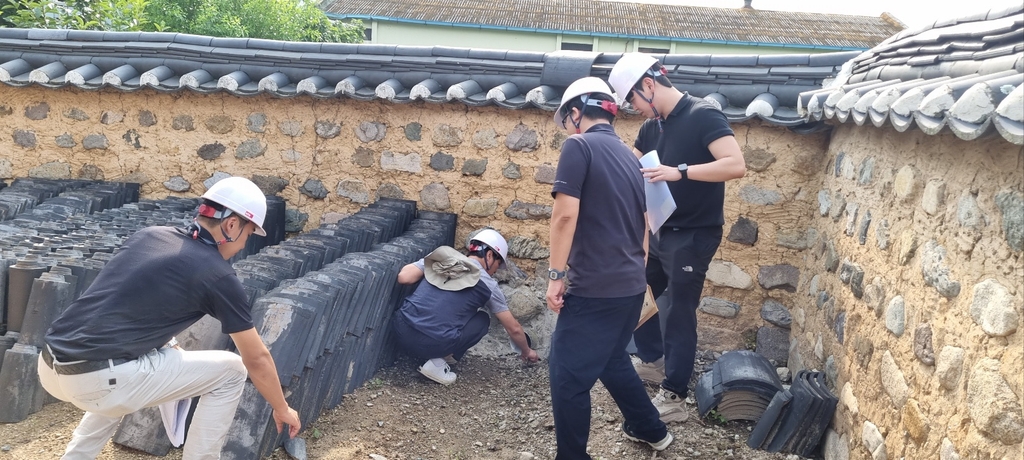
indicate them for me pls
(765, 87)
(965, 74)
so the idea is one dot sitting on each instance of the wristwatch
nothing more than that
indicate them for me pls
(682, 170)
(555, 275)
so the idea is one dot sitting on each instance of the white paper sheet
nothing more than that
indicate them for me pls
(660, 204)
(174, 414)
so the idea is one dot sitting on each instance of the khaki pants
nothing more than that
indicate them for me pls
(159, 376)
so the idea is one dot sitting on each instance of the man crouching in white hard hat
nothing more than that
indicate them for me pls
(448, 312)
(597, 242)
(112, 351)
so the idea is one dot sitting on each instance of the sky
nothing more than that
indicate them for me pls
(913, 13)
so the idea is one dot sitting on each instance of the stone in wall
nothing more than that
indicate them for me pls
(511, 171)
(291, 156)
(849, 400)
(906, 183)
(782, 276)
(824, 203)
(968, 213)
(852, 210)
(846, 167)
(25, 138)
(545, 174)
(389, 190)
(527, 248)
(220, 124)
(831, 371)
(332, 217)
(862, 230)
(255, 122)
(363, 157)
(524, 303)
(522, 139)
(183, 123)
(838, 206)
(916, 422)
(935, 271)
(758, 196)
(354, 190)
(6, 169)
(907, 246)
(37, 111)
(948, 451)
(146, 118)
(446, 136)
(528, 211)
(327, 129)
(866, 172)
(294, 220)
(799, 317)
(314, 188)
(270, 185)
(934, 196)
(250, 148)
(838, 165)
(216, 177)
(718, 339)
(76, 114)
(923, 344)
(992, 308)
(413, 131)
(812, 286)
(864, 349)
(809, 162)
(728, 274)
(474, 167)
(390, 161)
(485, 139)
(758, 160)
(882, 234)
(719, 307)
(134, 177)
(796, 360)
(90, 172)
(480, 207)
(797, 239)
(51, 170)
(893, 381)
(773, 343)
(775, 312)
(65, 140)
(435, 197)
(5, 110)
(896, 316)
(557, 140)
(837, 447)
(873, 440)
(131, 137)
(874, 296)
(290, 128)
(177, 184)
(949, 366)
(744, 231)
(839, 327)
(110, 117)
(371, 131)
(992, 404)
(212, 151)
(1011, 209)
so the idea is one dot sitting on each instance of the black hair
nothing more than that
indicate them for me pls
(480, 249)
(659, 76)
(590, 112)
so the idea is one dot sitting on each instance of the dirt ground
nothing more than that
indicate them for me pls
(498, 409)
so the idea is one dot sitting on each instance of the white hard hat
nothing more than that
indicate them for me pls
(585, 85)
(493, 240)
(242, 197)
(630, 68)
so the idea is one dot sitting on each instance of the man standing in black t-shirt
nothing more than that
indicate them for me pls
(698, 152)
(597, 242)
(106, 353)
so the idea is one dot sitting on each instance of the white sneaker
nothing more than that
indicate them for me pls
(650, 372)
(656, 445)
(439, 373)
(671, 407)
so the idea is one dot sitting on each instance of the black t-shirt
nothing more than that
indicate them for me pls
(688, 130)
(159, 283)
(607, 255)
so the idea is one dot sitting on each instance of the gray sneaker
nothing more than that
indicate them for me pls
(658, 445)
(671, 407)
(650, 372)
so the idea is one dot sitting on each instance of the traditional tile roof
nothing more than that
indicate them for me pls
(744, 86)
(634, 20)
(965, 74)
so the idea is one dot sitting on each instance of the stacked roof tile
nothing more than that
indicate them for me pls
(965, 74)
(633, 20)
(744, 86)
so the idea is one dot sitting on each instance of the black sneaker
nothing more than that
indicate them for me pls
(656, 445)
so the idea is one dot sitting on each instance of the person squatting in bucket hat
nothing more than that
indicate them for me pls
(448, 312)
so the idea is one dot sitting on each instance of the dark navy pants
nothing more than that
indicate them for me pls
(678, 261)
(589, 343)
(423, 346)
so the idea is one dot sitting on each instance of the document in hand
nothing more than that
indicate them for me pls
(174, 414)
(660, 204)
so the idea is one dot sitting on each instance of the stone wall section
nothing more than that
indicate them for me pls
(911, 299)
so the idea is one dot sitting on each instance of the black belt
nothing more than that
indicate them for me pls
(79, 367)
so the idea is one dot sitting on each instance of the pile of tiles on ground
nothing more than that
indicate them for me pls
(796, 419)
(739, 386)
(57, 237)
